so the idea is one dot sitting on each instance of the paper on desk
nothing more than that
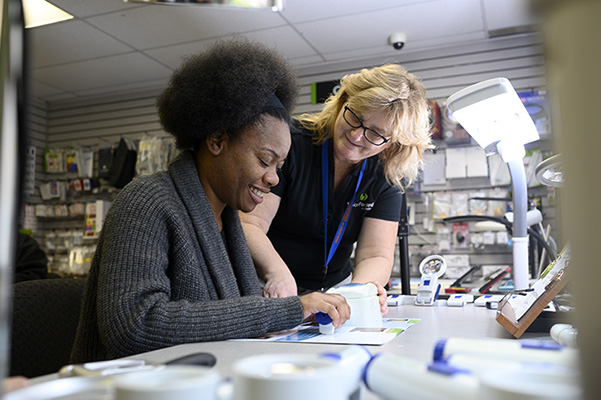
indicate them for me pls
(521, 304)
(309, 333)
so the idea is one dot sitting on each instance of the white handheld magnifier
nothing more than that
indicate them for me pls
(431, 268)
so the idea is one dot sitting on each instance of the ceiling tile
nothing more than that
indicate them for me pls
(283, 38)
(115, 46)
(173, 55)
(347, 34)
(86, 8)
(41, 90)
(71, 41)
(313, 10)
(156, 26)
(111, 72)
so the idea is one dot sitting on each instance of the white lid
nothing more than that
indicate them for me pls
(355, 290)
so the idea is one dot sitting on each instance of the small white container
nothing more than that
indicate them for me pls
(393, 377)
(181, 382)
(290, 377)
(530, 385)
(364, 302)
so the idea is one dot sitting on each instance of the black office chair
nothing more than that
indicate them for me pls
(44, 322)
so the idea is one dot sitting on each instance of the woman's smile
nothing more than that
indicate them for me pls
(257, 194)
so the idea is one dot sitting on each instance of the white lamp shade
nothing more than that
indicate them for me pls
(493, 114)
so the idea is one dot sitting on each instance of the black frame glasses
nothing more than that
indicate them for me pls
(370, 135)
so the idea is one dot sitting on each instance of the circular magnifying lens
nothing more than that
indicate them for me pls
(432, 267)
(550, 171)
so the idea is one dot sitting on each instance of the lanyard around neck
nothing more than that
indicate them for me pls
(347, 213)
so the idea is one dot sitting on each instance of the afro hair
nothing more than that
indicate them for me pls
(224, 90)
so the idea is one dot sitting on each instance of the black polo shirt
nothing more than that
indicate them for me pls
(297, 229)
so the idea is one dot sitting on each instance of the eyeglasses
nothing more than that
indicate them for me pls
(372, 136)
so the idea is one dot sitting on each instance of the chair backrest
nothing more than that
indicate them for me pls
(44, 323)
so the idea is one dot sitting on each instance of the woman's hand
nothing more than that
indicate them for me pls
(14, 383)
(383, 296)
(280, 285)
(334, 305)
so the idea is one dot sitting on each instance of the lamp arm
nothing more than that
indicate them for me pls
(520, 197)
(520, 226)
(461, 218)
(551, 254)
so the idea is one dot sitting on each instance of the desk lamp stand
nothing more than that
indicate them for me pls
(520, 228)
(403, 235)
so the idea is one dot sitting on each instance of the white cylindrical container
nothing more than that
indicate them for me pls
(530, 385)
(480, 366)
(364, 302)
(565, 334)
(394, 377)
(181, 382)
(290, 377)
(538, 351)
(77, 387)
(353, 360)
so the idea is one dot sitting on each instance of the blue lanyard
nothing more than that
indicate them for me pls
(347, 213)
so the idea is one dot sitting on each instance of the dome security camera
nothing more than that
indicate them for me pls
(397, 40)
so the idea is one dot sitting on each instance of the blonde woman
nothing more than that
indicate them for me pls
(351, 162)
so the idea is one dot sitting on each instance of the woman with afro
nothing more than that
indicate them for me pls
(172, 265)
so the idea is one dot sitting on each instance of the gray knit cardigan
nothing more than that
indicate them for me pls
(162, 276)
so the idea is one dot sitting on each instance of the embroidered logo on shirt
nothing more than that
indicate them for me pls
(363, 206)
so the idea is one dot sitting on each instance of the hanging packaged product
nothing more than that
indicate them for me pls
(54, 161)
(123, 167)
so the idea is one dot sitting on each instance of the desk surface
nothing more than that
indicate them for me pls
(437, 322)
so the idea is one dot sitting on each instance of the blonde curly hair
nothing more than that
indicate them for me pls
(393, 89)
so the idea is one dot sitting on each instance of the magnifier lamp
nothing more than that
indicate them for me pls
(493, 114)
(550, 171)
(431, 268)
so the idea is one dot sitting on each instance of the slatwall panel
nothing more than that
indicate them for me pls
(99, 121)
(447, 70)
(36, 125)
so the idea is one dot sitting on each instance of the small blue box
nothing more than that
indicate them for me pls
(537, 105)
